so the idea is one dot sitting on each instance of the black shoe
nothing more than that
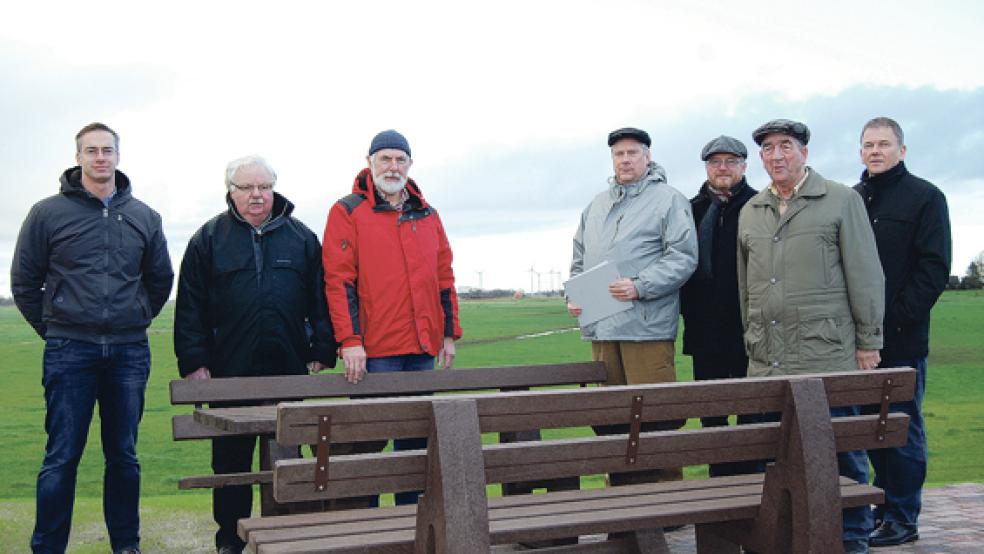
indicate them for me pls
(893, 533)
(857, 546)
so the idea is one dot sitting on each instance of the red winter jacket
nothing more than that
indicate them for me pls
(388, 273)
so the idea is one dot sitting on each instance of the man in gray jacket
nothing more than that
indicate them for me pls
(646, 229)
(90, 271)
(810, 286)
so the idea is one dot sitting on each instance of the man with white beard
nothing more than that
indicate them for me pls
(388, 274)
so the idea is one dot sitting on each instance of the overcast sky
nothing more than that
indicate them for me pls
(506, 104)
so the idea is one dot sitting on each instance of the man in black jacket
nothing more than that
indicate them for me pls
(912, 228)
(90, 271)
(713, 331)
(250, 302)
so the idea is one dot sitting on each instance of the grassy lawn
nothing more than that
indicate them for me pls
(181, 522)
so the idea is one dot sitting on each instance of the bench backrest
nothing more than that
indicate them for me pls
(300, 387)
(373, 419)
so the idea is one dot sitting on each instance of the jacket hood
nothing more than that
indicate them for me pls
(282, 208)
(71, 183)
(364, 186)
(655, 174)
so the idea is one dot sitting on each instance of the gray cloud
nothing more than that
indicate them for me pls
(502, 192)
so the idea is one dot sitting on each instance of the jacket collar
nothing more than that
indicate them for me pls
(814, 186)
(282, 208)
(71, 184)
(364, 186)
(887, 178)
(655, 174)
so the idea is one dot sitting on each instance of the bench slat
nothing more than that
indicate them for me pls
(535, 517)
(502, 412)
(363, 474)
(297, 387)
(225, 480)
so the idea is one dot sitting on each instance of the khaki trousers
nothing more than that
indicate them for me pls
(635, 363)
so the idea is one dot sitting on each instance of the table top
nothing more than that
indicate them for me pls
(248, 420)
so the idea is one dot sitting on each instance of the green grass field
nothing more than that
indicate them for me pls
(176, 521)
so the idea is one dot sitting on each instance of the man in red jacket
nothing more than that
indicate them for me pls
(388, 274)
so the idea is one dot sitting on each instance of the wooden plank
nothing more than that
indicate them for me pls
(296, 387)
(518, 411)
(536, 517)
(247, 420)
(184, 427)
(364, 474)
(226, 480)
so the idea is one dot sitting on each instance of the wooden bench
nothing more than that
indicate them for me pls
(795, 507)
(260, 421)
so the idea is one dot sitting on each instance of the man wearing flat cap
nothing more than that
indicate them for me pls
(811, 287)
(712, 332)
(645, 228)
(388, 274)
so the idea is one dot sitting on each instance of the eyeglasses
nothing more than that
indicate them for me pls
(731, 163)
(386, 160)
(263, 187)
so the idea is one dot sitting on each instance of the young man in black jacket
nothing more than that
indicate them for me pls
(251, 302)
(912, 229)
(713, 331)
(90, 271)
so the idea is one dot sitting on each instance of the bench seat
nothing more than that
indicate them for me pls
(535, 517)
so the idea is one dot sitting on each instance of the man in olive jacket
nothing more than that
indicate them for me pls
(811, 289)
(912, 228)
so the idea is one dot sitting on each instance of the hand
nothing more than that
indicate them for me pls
(200, 373)
(575, 311)
(445, 358)
(354, 358)
(623, 290)
(315, 366)
(867, 359)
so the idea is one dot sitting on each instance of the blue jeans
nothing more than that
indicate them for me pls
(858, 522)
(78, 374)
(901, 471)
(407, 362)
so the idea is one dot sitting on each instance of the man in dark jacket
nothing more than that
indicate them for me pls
(250, 302)
(912, 229)
(90, 271)
(713, 331)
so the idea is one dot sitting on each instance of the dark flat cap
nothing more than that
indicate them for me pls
(723, 145)
(789, 127)
(629, 133)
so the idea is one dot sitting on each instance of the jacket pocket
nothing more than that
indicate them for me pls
(820, 335)
(755, 342)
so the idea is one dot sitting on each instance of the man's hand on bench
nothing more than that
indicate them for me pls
(200, 373)
(354, 358)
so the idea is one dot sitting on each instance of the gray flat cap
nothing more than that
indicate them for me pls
(794, 129)
(723, 145)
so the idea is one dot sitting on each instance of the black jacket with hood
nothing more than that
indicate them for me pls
(89, 272)
(251, 301)
(912, 229)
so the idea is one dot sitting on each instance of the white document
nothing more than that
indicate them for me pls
(589, 290)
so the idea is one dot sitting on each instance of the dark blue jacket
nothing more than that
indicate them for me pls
(89, 272)
(912, 229)
(251, 301)
(711, 314)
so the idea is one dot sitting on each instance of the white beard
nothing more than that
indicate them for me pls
(388, 187)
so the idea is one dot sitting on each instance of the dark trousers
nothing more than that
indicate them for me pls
(230, 504)
(710, 367)
(901, 471)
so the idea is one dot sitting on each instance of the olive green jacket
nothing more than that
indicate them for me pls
(810, 282)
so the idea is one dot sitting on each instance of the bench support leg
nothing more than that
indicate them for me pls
(801, 503)
(452, 516)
